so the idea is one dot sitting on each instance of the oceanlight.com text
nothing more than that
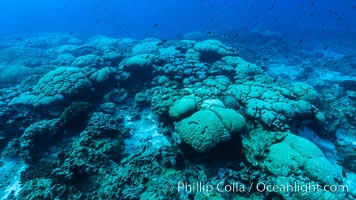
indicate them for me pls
(236, 187)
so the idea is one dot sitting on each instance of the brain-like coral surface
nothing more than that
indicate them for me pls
(208, 127)
(296, 155)
(182, 107)
(56, 86)
(203, 130)
(212, 50)
(90, 60)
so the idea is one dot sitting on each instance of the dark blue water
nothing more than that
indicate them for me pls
(142, 18)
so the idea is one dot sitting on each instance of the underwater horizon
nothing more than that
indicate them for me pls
(229, 99)
(169, 19)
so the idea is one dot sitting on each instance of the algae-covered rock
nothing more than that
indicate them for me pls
(98, 145)
(256, 144)
(76, 114)
(101, 124)
(39, 188)
(183, 107)
(38, 137)
(203, 130)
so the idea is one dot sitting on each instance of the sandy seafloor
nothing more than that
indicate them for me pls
(119, 118)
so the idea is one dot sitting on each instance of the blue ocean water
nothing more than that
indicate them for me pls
(189, 99)
(142, 18)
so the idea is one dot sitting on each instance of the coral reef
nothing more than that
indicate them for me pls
(118, 118)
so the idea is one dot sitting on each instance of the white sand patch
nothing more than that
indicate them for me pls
(144, 133)
(10, 177)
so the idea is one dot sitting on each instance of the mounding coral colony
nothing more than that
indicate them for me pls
(118, 118)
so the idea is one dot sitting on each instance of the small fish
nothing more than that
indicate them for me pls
(154, 25)
(344, 173)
